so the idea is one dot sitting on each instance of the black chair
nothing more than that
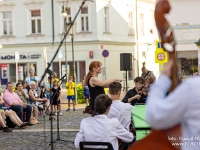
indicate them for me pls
(86, 145)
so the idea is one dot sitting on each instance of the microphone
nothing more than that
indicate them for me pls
(62, 77)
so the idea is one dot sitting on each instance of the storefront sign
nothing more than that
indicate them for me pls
(16, 56)
(9, 57)
(35, 56)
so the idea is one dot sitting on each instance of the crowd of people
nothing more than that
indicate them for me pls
(164, 110)
(21, 106)
(110, 119)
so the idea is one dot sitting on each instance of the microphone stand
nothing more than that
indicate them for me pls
(58, 114)
(49, 64)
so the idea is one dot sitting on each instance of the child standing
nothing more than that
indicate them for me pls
(56, 92)
(70, 92)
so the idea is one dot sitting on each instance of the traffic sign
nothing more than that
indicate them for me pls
(161, 56)
(105, 53)
(59, 54)
(16, 56)
(158, 45)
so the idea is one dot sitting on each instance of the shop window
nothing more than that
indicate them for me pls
(188, 62)
(80, 69)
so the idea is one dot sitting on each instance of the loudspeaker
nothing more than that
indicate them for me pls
(125, 61)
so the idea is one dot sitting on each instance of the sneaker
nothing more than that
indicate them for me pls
(55, 114)
(68, 109)
(73, 109)
(6, 129)
(60, 114)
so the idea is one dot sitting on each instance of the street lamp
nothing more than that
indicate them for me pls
(64, 15)
(72, 32)
(60, 57)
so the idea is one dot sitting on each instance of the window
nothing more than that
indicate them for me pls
(141, 24)
(106, 19)
(35, 22)
(68, 15)
(130, 22)
(7, 23)
(84, 19)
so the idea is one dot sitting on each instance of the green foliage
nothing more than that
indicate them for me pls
(80, 95)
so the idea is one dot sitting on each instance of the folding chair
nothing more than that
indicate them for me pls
(90, 145)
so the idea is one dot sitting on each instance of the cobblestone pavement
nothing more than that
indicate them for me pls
(36, 141)
(33, 137)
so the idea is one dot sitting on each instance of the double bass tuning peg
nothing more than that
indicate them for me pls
(168, 47)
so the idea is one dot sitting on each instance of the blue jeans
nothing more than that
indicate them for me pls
(48, 96)
(19, 110)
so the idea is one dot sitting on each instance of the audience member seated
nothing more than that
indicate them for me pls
(2, 122)
(24, 96)
(12, 115)
(13, 102)
(100, 128)
(24, 87)
(120, 110)
(135, 95)
(35, 97)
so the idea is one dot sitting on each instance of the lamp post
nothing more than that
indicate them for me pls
(64, 15)
(60, 57)
(16, 60)
(72, 32)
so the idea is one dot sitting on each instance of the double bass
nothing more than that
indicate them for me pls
(158, 139)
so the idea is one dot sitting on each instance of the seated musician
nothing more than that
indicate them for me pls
(180, 106)
(100, 128)
(135, 95)
(148, 82)
(120, 110)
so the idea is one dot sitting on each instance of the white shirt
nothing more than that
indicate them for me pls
(121, 111)
(180, 106)
(102, 129)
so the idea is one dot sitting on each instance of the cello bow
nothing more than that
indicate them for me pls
(158, 139)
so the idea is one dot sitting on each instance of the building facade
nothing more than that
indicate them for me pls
(186, 27)
(28, 26)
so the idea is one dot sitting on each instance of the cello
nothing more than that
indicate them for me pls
(158, 139)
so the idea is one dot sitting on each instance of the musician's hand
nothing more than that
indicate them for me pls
(168, 68)
(137, 96)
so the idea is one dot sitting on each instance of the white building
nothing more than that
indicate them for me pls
(183, 18)
(26, 27)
